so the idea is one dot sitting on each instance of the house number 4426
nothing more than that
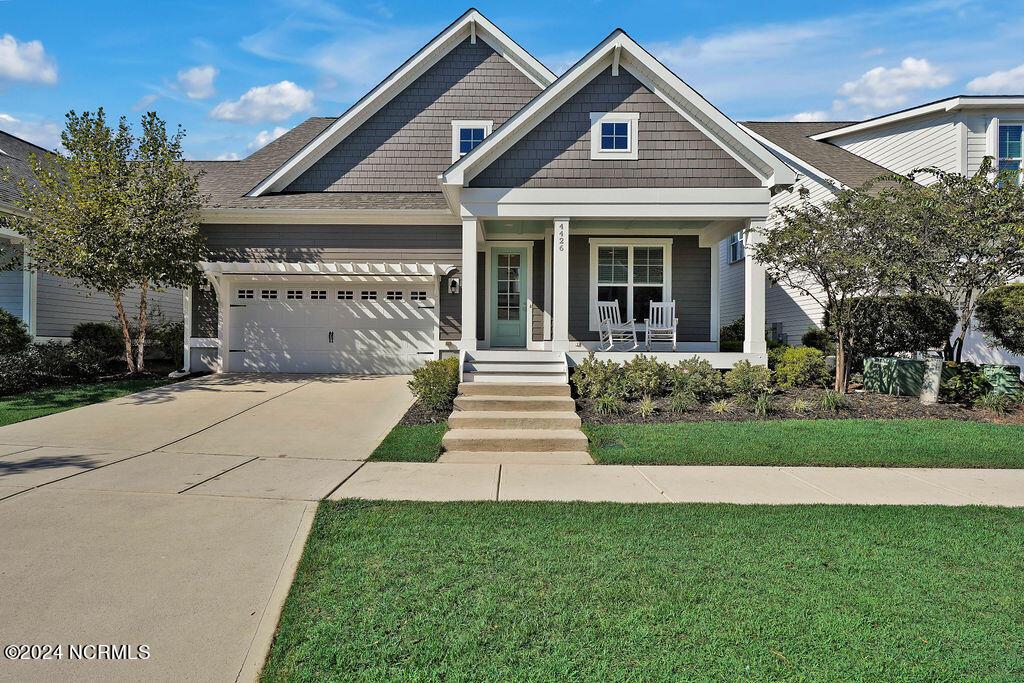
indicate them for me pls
(561, 237)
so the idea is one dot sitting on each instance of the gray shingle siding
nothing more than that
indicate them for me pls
(405, 145)
(60, 305)
(672, 152)
(691, 288)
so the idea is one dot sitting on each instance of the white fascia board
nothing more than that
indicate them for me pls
(395, 83)
(797, 161)
(677, 94)
(423, 218)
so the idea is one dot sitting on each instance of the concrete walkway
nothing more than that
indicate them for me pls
(671, 484)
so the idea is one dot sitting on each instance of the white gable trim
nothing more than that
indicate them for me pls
(469, 25)
(655, 76)
(950, 104)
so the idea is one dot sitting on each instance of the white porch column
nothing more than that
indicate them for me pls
(560, 285)
(222, 289)
(753, 292)
(469, 283)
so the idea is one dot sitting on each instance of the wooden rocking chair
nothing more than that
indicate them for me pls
(613, 330)
(661, 326)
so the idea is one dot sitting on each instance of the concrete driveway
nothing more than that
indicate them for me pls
(174, 518)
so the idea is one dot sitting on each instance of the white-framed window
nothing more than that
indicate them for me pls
(468, 134)
(293, 294)
(1010, 147)
(345, 295)
(613, 135)
(418, 296)
(736, 249)
(632, 272)
(318, 294)
(393, 295)
(368, 295)
(268, 293)
(245, 294)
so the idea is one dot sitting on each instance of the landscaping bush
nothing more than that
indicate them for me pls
(49, 364)
(645, 376)
(801, 367)
(747, 381)
(594, 378)
(963, 383)
(1000, 314)
(997, 403)
(14, 336)
(696, 377)
(436, 383)
(817, 338)
(886, 325)
(18, 372)
(730, 337)
(104, 337)
(168, 340)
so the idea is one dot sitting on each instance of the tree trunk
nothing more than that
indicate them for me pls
(840, 383)
(129, 358)
(140, 362)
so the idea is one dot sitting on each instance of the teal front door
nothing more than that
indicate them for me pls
(508, 297)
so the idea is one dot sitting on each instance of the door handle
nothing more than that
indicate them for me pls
(330, 337)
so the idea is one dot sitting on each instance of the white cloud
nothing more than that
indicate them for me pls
(26, 61)
(144, 101)
(882, 87)
(227, 156)
(808, 116)
(274, 102)
(197, 82)
(46, 134)
(1008, 82)
(266, 136)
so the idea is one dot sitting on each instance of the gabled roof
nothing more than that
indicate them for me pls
(619, 48)
(15, 166)
(471, 25)
(796, 139)
(938, 106)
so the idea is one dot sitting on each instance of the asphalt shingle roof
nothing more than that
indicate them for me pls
(14, 166)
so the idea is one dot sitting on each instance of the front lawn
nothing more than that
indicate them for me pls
(606, 592)
(411, 443)
(58, 399)
(846, 442)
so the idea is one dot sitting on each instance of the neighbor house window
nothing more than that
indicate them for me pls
(466, 135)
(736, 251)
(268, 293)
(344, 295)
(632, 273)
(1010, 147)
(613, 135)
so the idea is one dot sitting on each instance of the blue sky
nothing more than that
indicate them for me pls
(236, 74)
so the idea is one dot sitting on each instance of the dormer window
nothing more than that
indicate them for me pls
(466, 135)
(613, 135)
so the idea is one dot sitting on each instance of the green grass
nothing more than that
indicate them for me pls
(861, 443)
(411, 443)
(58, 399)
(606, 592)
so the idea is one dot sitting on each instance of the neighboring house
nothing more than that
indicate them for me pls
(51, 306)
(473, 201)
(953, 134)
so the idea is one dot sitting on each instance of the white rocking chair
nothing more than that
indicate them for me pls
(613, 330)
(661, 326)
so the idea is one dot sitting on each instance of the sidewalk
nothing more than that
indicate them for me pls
(679, 484)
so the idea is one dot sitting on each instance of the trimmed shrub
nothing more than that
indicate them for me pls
(801, 367)
(18, 372)
(747, 381)
(1000, 315)
(436, 383)
(697, 378)
(104, 337)
(886, 325)
(817, 338)
(645, 376)
(594, 378)
(14, 336)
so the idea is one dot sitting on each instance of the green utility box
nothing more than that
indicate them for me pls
(894, 376)
(1005, 379)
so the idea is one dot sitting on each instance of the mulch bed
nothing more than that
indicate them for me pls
(418, 415)
(860, 405)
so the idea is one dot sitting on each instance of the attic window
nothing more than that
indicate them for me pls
(466, 135)
(614, 135)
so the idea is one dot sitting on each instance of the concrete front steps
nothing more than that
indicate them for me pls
(527, 422)
(517, 367)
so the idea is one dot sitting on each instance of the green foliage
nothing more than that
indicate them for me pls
(645, 376)
(832, 401)
(997, 403)
(14, 336)
(721, 406)
(801, 367)
(730, 336)
(963, 383)
(763, 406)
(645, 407)
(681, 403)
(817, 338)
(594, 378)
(800, 406)
(1000, 316)
(168, 338)
(103, 337)
(49, 364)
(695, 377)
(747, 381)
(436, 383)
(885, 325)
(609, 404)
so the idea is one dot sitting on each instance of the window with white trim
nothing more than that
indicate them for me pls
(393, 295)
(614, 135)
(345, 295)
(293, 294)
(268, 293)
(632, 273)
(318, 294)
(368, 295)
(736, 250)
(1010, 147)
(418, 296)
(245, 294)
(466, 135)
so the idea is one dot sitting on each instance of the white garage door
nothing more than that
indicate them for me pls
(364, 328)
